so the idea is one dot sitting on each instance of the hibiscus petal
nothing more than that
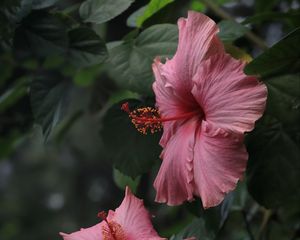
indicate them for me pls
(92, 233)
(134, 218)
(219, 161)
(174, 181)
(167, 102)
(197, 41)
(230, 99)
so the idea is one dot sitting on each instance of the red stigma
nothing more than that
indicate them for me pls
(102, 215)
(125, 107)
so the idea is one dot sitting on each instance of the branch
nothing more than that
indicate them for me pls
(224, 15)
(266, 217)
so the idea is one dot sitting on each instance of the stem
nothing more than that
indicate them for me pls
(266, 218)
(222, 14)
(247, 225)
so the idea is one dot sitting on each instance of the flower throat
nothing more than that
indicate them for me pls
(148, 119)
(112, 230)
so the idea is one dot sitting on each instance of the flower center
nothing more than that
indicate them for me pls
(148, 119)
(112, 230)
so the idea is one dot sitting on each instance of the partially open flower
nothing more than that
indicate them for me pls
(130, 221)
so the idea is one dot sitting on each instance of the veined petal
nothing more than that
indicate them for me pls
(92, 233)
(134, 219)
(168, 103)
(220, 160)
(173, 80)
(166, 99)
(197, 41)
(174, 181)
(230, 99)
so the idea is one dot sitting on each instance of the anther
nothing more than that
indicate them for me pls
(145, 119)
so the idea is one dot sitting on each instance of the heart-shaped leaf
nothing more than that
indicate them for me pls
(130, 151)
(130, 62)
(283, 56)
(100, 11)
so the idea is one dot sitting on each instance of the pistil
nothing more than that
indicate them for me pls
(148, 119)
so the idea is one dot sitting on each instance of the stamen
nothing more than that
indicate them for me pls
(145, 119)
(112, 230)
(117, 231)
(148, 119)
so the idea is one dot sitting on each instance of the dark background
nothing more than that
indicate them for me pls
(60, 182)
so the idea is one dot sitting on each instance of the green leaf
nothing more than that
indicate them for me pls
(168, 14)
(153, 7)
(86, 76)
(130, 151)
(293, 16)
(86, 47)
(11, 12)
(122, 181)
(198, 6)
(49, 100)
(284, 56)
(130, 62)
(46, 35)
(141, 15)
(273, 173)
(28, 5)
(65, 125)
(6, 73)
(100, 11)
(39, 4)
(121, 95)
(13, 94)
(132, 19)
(30, 64)
(214, 218)
(22, 10)
(231, 30)
(53, 62)
(284, 99)
(195, 229)
(42, 34)
(274, 168)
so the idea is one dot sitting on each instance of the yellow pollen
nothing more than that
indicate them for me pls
(144, 119)
(113, 231)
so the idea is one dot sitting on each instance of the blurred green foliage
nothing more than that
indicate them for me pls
(67, 150)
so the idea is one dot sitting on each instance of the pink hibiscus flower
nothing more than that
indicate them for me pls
(130, 221)
(206, 104)
(203, 153)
